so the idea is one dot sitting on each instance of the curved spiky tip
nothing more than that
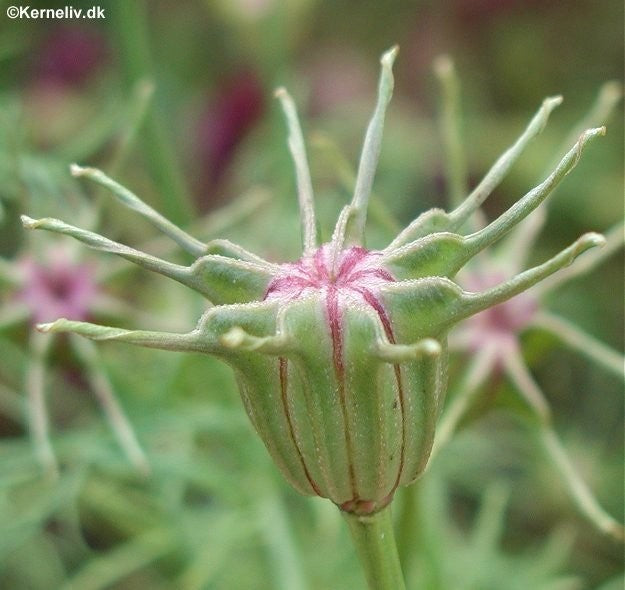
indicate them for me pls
(549, 103)
(553, 101)
(587, 241)
(77, 171)
(56, 326)
(584, 138)
(590, 133)
(29, 222)
(388, 57)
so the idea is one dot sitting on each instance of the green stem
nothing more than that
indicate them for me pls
(374, 539)
(408, 522)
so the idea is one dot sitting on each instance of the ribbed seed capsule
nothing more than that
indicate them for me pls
(360, 425)
(340, 357)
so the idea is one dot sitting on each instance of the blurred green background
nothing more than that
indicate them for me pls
(175, 100)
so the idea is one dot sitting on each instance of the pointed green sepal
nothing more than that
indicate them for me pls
(443, 254)
(430, 306)
(422, 308)
(190, 342)
(473, 303)
(438, 254)
(522, 208)
(297, 148)
(614, 241)
(130, 200)
(220, 279)
(437, 220)
(227, 249)
(354, 233)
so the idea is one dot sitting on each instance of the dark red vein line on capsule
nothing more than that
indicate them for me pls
(353, 256)
(283, 368)
(336, 333)
(373, 301)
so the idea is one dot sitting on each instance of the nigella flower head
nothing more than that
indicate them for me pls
(340, 357)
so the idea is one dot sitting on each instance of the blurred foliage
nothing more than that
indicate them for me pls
(213, 513)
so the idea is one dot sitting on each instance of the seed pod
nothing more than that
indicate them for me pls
(340, 357)
(350, 420)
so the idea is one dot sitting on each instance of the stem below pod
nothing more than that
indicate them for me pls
(374, 539)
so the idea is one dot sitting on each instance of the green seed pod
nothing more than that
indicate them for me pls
(353, 421)
(340, 357)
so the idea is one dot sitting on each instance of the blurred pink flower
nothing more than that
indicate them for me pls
(68, 56)
(57, 287)
(498, 325)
